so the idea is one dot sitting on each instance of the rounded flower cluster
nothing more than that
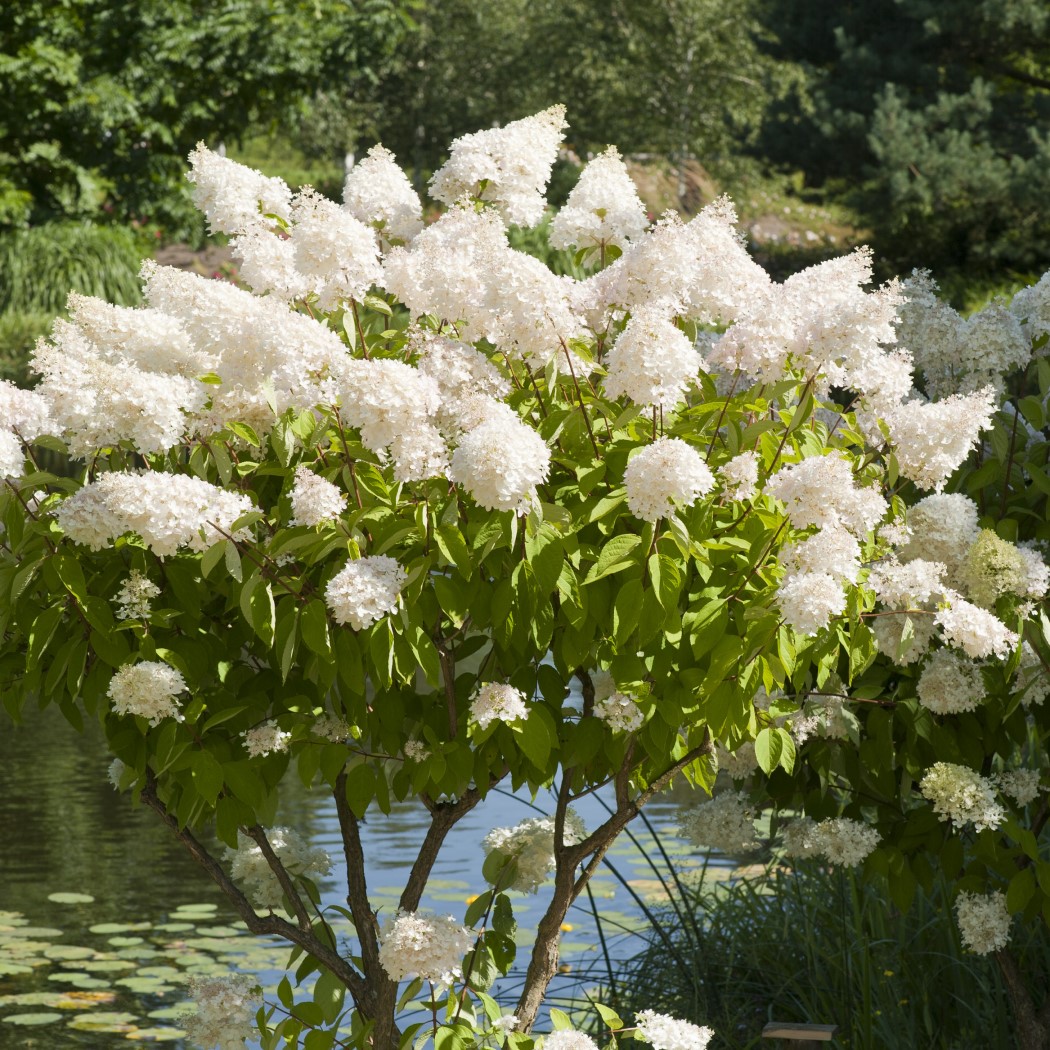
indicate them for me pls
(725, 823)
(961, 795)
(568, 1039)
(508, 166)
(983, 920)
(653, 362)
(377, 192)
(498, 702)
(134, 597)
(168, 511)
(909, 585)
(619, 712)
(739, 763)
(501, 460)
(1022, 785)
(943, 526)
(315, 500)
(841, 841)
(668, 1033)
(423, 945)
(808, 600)
(603, 208)
(821, 491)
(266, 739)
(993, 567)
(950, 684)
(147, 689)
(415, 751)
(974, 630)
(225, 1014)
(248, 865)
(365, 591)
(663, 474)
(530, 845)
(232, 196)
(740, 475)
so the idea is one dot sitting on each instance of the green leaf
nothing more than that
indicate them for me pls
(329, 994)
(610, 1017)
(452, 545)
(360, 788)
(313, 624)
(618, 554)
(477, 908)
(769, 746)
(41, 633)
(560, 1019)
(1020, 891)
(627, 609)
(207, 775)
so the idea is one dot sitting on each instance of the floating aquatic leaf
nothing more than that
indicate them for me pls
(217, 931)
(171, 1013)
(120, 927)
(30, 932)
(66, 952)
(9, 969)
(104, 965)
(156, 1035)
(125, 942)
(33, 1019)
(174, 927)
(145, 985)
(70, 898)
(194, 908)
(104, 1021)
(78, 980)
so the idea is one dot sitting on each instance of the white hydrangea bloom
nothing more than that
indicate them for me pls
(619, 712)
(365, 590)
(809, 600)
(740, 475)
(24, 411)
(338, 254)
(333, 728)
(12, 455)
(740, 763)
(377, 192)
(983, 920)
(907, 586)
(168, 511)
(498, 702)
(801, 839)
(232, 196)
(603, 208)
(961, 795)
(314, 499)
(115, 773)
(134, 597)
(943, 527)
(974, 630)
(663, 474)
(653, 362)
(950, 684)
(992, 568)
(889, 634)
(225, 1011)
(266, 739)
(508, 166)
(267, 264)
(725, 823)
(460, 371)
(147, 689)
(841, 841)
(501, 460)
(932, 439)
(1036, 571)
(421, 944)
(1022, 785)
(568, 1039)
(1032, 679)
(668, 1033)
(1031, 306)
(248, 865)
(530, 844)
(832, 550)
(415, 751)
(821, 490)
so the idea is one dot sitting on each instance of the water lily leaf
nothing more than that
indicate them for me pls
(120, 927)
(34, 932)
(125, 942)
(105, 965)
(33, 1019)
(70, 898)
(175, 927)
(9, 969)
(217, 931)
(156, 1035)
(65, 952)
(171, 1013)
(192, 908)
(110, 1021)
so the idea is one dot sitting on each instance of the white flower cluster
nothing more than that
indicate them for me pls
(739, 763)
(135, 596)
(821, 491)
(461, 373)
(974, 630)
(266, 739)
(841, 841)
(249, 866)
(665, 474)
(377, 192)
(740, 475)
(653, 362)
(950, 684)
(618, 711)
(147, 689)
(168, 511)
(501, 460)
(961, 795)
(911, 585)
(24, 416)
(568, 1039)
(603, 208)
(994, 567)
(983, 920)
(420, 944)
(725, 823)
(1022, 785)
(365, 590)
(314, 499)
(225, 1011)
(415, 751)
(530, 845)
(1032, 680)
(508, 166)
(232, 196)
(332, 728)
(668, 1033)
(497, 702)
(1031, 307)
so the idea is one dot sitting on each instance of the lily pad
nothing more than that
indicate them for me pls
(156, 1035)
(70, 898)
(190, 909)
(33, 1019)
(217, 931)
(174, 927)
(171, 1013)
(120, 927)
(125, 942)
(105, 965)
(66, 952)
(111, 1021)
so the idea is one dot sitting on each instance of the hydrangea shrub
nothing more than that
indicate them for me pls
(418, 517)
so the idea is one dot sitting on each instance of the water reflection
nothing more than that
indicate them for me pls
(65, 829)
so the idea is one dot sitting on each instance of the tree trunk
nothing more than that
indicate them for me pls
(1032, 1025)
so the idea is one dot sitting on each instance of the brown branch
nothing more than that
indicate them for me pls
(272, 925)
(258, 836)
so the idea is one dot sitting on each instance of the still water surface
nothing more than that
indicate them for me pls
(100, 974)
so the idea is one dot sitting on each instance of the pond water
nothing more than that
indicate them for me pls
(103, 971)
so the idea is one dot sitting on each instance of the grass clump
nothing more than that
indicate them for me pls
(824, 947)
